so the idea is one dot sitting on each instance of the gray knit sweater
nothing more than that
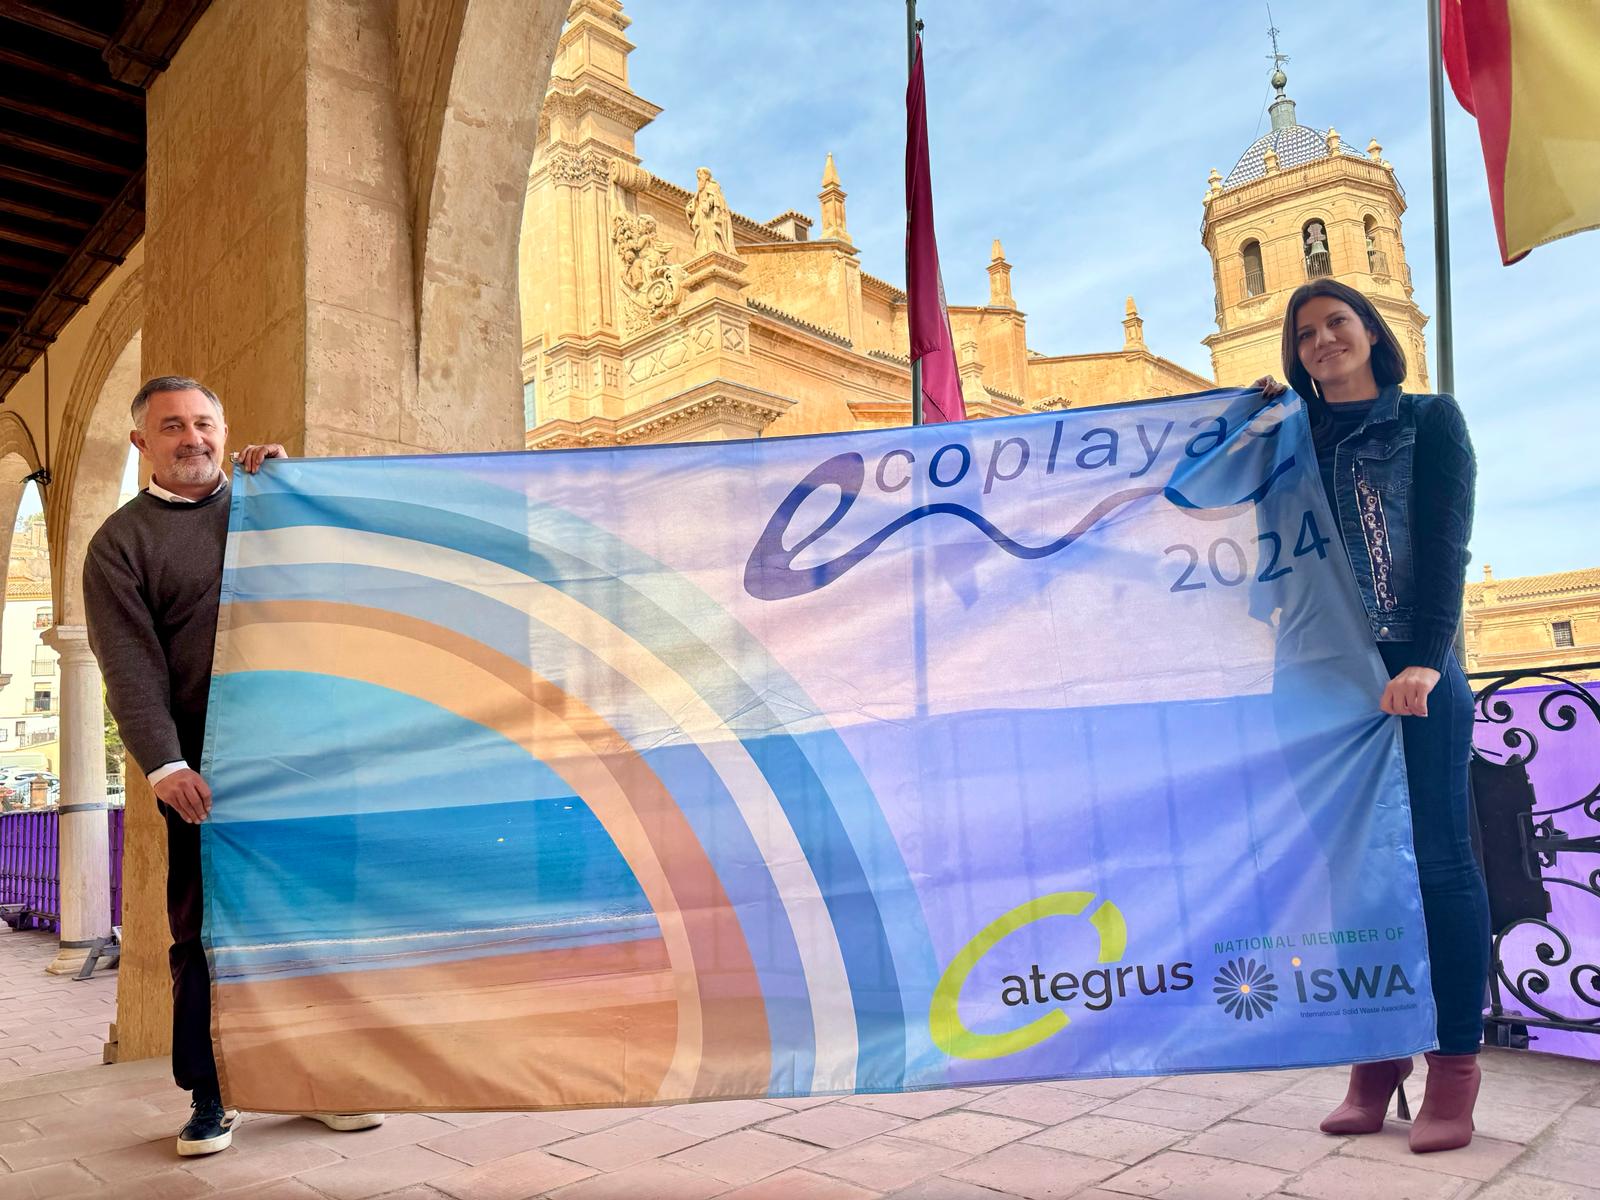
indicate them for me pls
(151, 583)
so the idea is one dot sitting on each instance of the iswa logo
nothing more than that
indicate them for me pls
(1098, 988)
(1245, 989)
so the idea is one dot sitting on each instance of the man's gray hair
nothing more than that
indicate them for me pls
(168, 383)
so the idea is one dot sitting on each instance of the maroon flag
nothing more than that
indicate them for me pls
(928, 319)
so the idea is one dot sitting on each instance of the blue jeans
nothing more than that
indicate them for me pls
(1455, 906)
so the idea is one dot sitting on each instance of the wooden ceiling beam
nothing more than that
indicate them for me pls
(99, 87)
(57, 116)
(25, 265)
(150, 34)
(11, 232)
(76, 158)
(51, 184)
(113, 235)
(53, 23)
(34, 213)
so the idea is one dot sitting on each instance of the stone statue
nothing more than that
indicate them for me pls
(709, 216)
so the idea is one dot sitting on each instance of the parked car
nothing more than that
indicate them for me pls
(19, 782)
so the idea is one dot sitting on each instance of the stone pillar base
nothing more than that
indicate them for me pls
(69, 960)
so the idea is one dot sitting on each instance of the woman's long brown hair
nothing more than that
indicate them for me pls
(1388, 359)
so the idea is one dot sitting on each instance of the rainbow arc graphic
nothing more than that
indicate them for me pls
(580, 670)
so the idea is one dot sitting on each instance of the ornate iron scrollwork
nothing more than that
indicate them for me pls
(1559, 988)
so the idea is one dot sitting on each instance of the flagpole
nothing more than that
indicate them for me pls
(912, 25)
(1444, 336)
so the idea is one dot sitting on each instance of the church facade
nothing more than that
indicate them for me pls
(652, 311)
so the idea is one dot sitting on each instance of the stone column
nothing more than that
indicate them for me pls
(85, 851)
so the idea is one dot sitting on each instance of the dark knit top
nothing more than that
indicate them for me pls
(151, 584)
(1342, 420)
(1443, 481)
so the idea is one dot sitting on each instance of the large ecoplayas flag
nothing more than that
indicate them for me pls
(1035, 747)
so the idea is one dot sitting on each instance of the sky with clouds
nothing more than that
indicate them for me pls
(1080, 133)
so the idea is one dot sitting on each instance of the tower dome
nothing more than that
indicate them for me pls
(1293, 143)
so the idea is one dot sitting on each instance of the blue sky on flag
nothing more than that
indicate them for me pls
(1081, 133)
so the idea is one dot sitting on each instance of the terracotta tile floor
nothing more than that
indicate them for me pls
(69, 1127)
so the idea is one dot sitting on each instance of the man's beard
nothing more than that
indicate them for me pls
(194, 469)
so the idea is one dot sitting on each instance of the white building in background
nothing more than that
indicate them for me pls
(30, 692)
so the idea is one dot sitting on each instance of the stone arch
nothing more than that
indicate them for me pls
(19, 458)
(1253, 264)
(87, 476)
(469, 217)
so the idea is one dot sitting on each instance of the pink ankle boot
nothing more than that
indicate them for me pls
(1371, 1085)
(1445, 1120)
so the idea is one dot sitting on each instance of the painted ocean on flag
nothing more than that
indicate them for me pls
(1035, 747)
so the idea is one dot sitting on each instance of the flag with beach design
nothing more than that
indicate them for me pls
(1035, 747)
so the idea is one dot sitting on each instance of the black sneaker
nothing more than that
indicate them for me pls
(209, 1130)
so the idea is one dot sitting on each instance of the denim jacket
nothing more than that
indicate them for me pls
(1403, 493)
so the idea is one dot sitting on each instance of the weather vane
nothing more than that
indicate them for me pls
(1277, 56)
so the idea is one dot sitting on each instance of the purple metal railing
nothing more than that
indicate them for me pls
(30, 871)
(116, 815)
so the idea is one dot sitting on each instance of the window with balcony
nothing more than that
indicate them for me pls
(44, 662)
(43, 618)
(1255, 279)
(41, 700)
(1563, 633)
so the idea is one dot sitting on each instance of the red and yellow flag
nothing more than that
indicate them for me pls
(1527, 70)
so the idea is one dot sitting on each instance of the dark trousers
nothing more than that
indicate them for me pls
(1455, 905)
(194, 1065)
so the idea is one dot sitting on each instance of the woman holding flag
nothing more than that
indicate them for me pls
(1398, 470)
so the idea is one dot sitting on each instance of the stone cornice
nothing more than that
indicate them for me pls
(871, 283)
(592, 94)
(995, 404)
(811, 246)
(1296, 181)
(815, 330)
(599, 12)
(1273, 319)
(1007, 396)
(27, 589)
(720, 401)
(790, 214)
(1532, 607)
(1144, 356)
(823, 359)
(882, 412)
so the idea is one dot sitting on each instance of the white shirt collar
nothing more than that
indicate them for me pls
(161, 493)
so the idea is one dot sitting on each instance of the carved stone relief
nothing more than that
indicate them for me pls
(651, 285)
